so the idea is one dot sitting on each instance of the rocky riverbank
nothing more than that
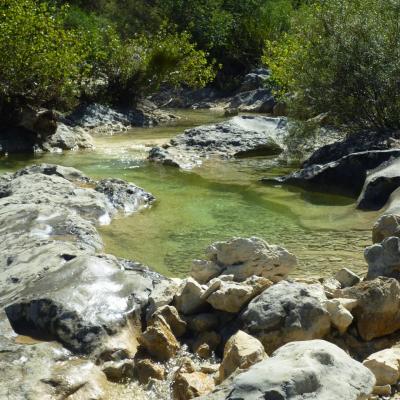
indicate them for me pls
(75, 321)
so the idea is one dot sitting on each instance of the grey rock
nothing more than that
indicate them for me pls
(384, 258)
(255, 100)
(345, 175)
(254, 79)
(379, 185)
(347, 278)
(286, 312)
(305, 370)
(242, 136)
(190, 298)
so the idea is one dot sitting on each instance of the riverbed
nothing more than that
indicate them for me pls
(219, 200)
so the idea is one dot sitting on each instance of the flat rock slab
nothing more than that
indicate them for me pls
(241, 136)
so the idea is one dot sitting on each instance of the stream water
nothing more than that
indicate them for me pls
(215, 202)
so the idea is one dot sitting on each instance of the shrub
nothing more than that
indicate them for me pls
(41, 62)
(342, 57)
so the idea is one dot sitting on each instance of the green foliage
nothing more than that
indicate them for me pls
(142, 64)
(40, 60)
(232, 32)
(342, 57)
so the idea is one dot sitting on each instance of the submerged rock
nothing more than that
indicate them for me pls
(242, 136)
(299, 371)
(287, 312)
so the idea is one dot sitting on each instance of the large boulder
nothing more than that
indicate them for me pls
(287, 312)
(306, 370)
(384, 258)
(345, 175)
(255, 79)
(241, 136)
(243, 258)
(378, 307)
(379, 185)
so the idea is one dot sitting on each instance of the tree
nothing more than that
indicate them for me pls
(342, 57)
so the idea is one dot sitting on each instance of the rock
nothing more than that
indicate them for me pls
(330, 285)
(68, 138)
(116, 296)
(241, 136)
(241, 351)
(385, 365)
(347, 278)
(202, 322)
(172, 318)
(159, 341)
(341, 318)
(188, 384)
(254, 79)
(206, 343)
(384, 259)
(256, 100)
(204, 270)
(118, 371)
(379, 185)
(189, 300)
(389, 223)
(145, 370)
(48, 224)
(245, 257)
(382, 390)
(17, 140)
(346, 175)
(298, 371)
(41, 121)
(232, 296)
(378, 310)
(354, 143)
(286, 312)
(163, 295)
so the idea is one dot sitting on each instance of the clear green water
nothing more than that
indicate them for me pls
(220, 200)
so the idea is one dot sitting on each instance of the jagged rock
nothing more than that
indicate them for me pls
(118, 371)
(346, 175)
(163, 295)
(347, 278)
(384, 259)
(188, 383)
(245, 257)
(172, 318)
(189, 300)
(159, 341)
(330, 285)
(378, 310)
(286, 312)
(341, 318)
(254, 79)
(385, 365)
(232, 296)
(241, 136)
(204, 270)
(299, 371)
(241, 351)
(146, 369)
(379, 185)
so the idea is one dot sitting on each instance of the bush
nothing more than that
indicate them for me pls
(41, 62)
(342, 57)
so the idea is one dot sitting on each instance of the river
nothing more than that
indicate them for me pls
(219, 200)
